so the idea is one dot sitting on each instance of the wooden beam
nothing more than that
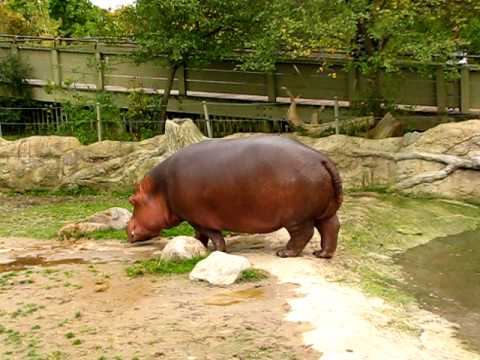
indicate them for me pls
(441, 91)
(465, 90)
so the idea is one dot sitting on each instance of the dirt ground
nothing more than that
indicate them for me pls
(94, 311)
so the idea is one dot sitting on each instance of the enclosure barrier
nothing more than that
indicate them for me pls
(90, 65)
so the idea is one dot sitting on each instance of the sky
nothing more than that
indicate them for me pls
(111, 4)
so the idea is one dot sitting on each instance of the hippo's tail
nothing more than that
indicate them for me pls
(336, 181)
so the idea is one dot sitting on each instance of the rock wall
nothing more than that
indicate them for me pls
(443, 161)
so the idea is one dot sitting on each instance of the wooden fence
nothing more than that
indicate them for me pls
(91, 65)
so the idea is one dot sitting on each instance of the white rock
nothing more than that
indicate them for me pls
(114, 218)
(183, 248)
(110, 219)
(220, 268)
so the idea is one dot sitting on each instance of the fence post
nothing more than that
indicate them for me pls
(465, 90)
(55, 61)
(1, 133)
(336, 114)
(182, 81)
(352, 85)
(14, 48)
(99, 122)
(441, 91)
(207, 119)
(271, 86)
(100, 76)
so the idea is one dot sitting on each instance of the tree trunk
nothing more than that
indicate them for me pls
(180, 133)
(166, 92)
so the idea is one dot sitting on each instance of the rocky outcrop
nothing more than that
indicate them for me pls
(183, 248)
(220, 268)
(51, 162)
(443, 161)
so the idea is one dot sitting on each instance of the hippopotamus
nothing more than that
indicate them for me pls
(249, 185)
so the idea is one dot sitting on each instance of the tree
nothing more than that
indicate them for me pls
(78, 18)
(373, 34)
(24, 17)
(12, 22)
(193, 31)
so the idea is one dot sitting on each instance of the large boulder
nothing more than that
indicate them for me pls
(183, 248)
(220, 268)
(51, 162)
(443, 161)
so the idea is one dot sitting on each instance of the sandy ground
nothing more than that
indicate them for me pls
(77, 310)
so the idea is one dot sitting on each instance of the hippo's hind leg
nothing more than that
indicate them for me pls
(300, 235)
(328, 229)
(216, 236)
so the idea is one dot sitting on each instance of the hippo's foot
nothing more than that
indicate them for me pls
(284, 253)
(322, 254)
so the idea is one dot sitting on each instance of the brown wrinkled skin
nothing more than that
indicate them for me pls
(253, 185)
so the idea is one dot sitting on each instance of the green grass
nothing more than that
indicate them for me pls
(158, 266)
(41, 217)
(252, 275)
(183, 229)
(385, 287)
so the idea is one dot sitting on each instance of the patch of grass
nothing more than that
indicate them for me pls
(26, 310)
(35, 327)
(77, 342)
(252, 275)
(78, 315)
(380, 189)
(69, 335)
(158, 266)
(13, 337)
(56, 355)
(183, 229)
(41, 217)
(375, 284)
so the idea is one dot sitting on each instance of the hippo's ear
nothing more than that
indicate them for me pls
(147, 185)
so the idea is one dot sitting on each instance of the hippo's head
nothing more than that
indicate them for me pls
(150, 212)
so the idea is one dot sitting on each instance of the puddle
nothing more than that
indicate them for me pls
(22, 263)
(444, 275)
(235, 297)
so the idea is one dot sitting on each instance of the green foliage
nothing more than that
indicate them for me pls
(82, 118)
(252, 275)
(191, 31)
(158, 266)
(28, 17)
(142, 115)
(76, 17)
(13, 75)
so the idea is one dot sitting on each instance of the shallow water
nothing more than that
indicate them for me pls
(235, 297)
(22, 263)
(444, 275)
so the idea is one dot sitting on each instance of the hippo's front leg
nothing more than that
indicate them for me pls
(300, 235)
(202, 237)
